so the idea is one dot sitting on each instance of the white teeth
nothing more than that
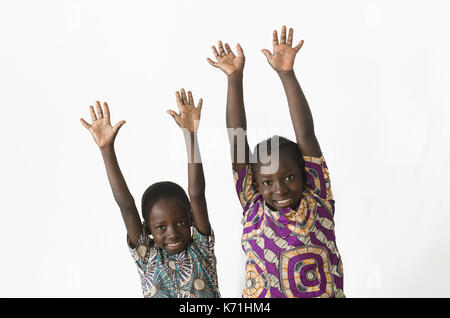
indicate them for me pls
(284, 201)
(174, 244)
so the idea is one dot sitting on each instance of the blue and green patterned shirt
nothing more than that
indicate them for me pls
(188, 274)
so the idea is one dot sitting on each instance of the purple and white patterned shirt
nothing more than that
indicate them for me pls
(292, 252)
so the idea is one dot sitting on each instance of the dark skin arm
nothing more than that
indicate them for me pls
(104, 135)
(282, 61)
(233, 67)
(188, 120)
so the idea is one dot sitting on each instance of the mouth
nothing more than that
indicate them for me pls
(174, 245)
(283, 203)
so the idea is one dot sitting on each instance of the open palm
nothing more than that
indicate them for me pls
(283, 56)
(229, 63)
(189, 116)
(101, 129)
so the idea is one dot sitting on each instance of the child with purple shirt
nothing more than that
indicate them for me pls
(288, 219)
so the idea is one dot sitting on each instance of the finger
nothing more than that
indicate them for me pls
(173, 114)
(106, 108)
(267, 53)
(229, 51)
(275, 38)
(118, 125)
(290, 36)
(221, 50)
(98, 107)
(200, 104)
(93, 115)
(85, 124)
(179, 101)
(216, 54)
(190, 98)
(283, 35)
(183, 96)
(211, 62)
(240, 52)
(299, 46)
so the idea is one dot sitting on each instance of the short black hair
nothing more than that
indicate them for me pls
(289, 146)
(163, 190)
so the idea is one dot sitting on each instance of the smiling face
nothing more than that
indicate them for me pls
(283, 188)
(170, 225)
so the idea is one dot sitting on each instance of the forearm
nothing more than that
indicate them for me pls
(117, 182)
(196, 184)
(298, 106)
(236, 120)
(235, 103)
(196, 178)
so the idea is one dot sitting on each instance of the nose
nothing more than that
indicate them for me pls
(280, 188)
(171, 231)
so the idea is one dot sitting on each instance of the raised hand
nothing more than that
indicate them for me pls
(283, 56)
(229, 63)
(101, 129)
(189, 116)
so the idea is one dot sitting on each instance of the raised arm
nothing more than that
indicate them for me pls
(104, 135)
(233, 67)
(282, 61)
(188, 119)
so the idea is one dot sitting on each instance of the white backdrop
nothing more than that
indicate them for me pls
(376, 75)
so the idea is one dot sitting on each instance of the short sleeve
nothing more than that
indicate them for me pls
(244, 183)
(205, 243)
(141, 253)
(318, 177)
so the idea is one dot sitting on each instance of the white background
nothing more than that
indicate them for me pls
(376, 75)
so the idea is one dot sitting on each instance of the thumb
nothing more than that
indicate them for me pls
(173, 114)
(267, 53)
(85, 124)
(211, 62)
(118, 125)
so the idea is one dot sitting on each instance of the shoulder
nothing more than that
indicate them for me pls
(318, 177)
(202, 239)
(245, 185)
(144, 250)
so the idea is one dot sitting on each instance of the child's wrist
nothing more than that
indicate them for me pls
(107, 148)
(285, 74)
(188, 132)
(236, 76)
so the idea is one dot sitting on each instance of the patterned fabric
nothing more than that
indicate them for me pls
(291, 252)
(188, 274)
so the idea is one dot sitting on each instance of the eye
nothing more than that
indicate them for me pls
(267, 183)
(160, 228)
(289, 178)
(181, 223)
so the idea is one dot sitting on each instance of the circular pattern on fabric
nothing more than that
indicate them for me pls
(305, 272)
(257, 282)
(180, 266)
(153, 290)
(160, 287)
(142, 250)
(199, 284)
